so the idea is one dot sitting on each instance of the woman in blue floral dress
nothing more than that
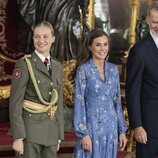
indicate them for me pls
(98, 117)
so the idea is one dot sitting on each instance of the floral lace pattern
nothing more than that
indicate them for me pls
(98, 110)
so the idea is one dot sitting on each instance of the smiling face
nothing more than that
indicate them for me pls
(99, 48)
(43, 39)
(152, 21)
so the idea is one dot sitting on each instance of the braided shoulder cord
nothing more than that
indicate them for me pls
(54, 96)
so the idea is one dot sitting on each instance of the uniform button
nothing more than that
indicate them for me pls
(51, 83)
(50, 93)
(29, 114)
(38, 81)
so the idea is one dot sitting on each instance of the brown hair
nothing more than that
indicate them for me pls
(85, 53)
(153, 5)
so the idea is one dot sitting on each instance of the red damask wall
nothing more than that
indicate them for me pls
(8, 23)
(11, 24)
(9, 16)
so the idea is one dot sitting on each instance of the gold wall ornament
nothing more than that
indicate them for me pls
(151, 1)
(91, 17)
(68, 85)
(4, 57)
(134, 15)
(3, 5)
(4, 91)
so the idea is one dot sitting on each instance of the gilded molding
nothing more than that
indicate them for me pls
(3, 4)
(90, 18)
(7, 58)
(68, 85)
(4, 91)
(134, 15)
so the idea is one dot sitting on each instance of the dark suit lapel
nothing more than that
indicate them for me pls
(39, 64)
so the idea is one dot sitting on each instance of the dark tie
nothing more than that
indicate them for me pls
(46, 63)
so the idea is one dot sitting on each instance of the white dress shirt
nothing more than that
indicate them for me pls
(155, 38)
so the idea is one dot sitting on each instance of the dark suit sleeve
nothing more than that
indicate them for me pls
(18, 88)
(135, 68)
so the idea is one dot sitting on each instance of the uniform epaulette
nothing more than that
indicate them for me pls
(27, 55)
(56, 59)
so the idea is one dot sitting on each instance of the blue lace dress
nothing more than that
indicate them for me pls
(98, 110)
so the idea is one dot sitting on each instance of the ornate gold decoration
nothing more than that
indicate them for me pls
(134, 14)
(150, 1)
(3, 4)
(90, 19)
(4, 91)
(7, 58)
(68, 85)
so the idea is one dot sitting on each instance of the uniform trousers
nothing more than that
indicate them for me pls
(32, 150)
(149, 150)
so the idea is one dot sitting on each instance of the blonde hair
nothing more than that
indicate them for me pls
(46, 24)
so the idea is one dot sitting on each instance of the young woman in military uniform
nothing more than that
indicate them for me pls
(36, 99)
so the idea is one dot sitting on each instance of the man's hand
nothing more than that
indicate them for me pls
(87, 143)
(140, 135)
(18, 146)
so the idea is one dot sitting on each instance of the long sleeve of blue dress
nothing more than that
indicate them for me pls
(80, 123)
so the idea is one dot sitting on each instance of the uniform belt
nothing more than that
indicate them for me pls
(39, 108)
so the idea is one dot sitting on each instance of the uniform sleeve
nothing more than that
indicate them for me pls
(80, 124)
(60, 105)
(19, 82)
(118, 106)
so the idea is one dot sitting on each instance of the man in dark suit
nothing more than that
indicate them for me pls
(36, 99)
(142, 89)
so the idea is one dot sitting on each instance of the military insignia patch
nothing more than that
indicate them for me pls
(17, 73)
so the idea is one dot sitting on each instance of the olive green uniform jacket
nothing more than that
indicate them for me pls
(36, 128)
